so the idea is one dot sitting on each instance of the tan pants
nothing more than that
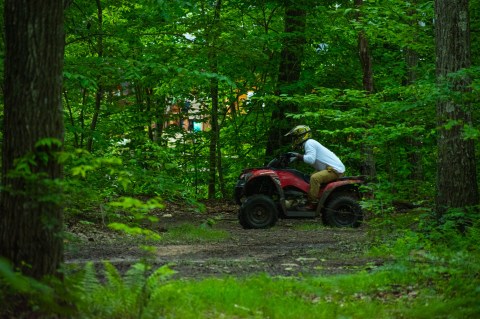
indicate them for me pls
(318, 178)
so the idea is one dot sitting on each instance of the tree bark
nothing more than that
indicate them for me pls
(148, 97)
(366, 62)
(31, 217)
(99, 93)
(414, 156)
(214, 138)
(411, 60)
(289, 72)
(456, 167)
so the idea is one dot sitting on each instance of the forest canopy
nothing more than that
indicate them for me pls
(139, 78)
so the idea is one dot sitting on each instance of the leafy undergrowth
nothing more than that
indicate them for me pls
(431, 274)
(433, 283)
(426, 285)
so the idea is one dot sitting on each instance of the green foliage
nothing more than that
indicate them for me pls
(425, 276)
(150, 62)
(92, 181)
(118, 297)
(25, 296)
(122, 74)
(136, 214)
(421, 286)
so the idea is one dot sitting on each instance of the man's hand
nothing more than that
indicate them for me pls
(292, 156)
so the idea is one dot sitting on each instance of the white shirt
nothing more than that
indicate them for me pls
(319, 157)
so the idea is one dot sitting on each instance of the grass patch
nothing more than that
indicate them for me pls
(389, 293)
(428, 278)
(188, 233)
(433, 274)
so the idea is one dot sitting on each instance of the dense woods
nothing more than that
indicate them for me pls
(170, 100)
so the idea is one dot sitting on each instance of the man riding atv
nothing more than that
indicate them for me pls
(276, 190)
(328, 167)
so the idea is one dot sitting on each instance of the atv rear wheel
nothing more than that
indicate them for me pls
(258, 211)
(343, 211)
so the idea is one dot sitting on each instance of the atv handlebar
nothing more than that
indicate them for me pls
(283, 160)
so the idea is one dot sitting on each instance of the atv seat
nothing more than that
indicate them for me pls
(297, 173)
(345, 178)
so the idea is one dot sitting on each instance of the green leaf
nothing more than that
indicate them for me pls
(49, 142)
(471, 133)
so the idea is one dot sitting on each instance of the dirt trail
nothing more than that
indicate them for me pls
(291, 248)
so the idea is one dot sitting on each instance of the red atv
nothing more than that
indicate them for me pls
(276, 191)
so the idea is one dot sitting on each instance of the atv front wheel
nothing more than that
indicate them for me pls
(258, 211)
(343, 211)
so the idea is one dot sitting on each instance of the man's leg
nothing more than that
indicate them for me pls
(318, 178)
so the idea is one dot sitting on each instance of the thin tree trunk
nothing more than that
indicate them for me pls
(96, 114)
(99, 93)
(368, 167)
(414, 157)
(160, 107)
(456, 167)
(149, 93)
(82, 116)
(31, 217)
(214, 138)
(72, 120)
(221, 179)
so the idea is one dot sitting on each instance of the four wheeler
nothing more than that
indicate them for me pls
(276, 191)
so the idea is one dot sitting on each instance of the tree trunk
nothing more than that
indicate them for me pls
(160, 106)
(31, 217)
(150, 116)
(414, 156)
(456, 167)
(221, 179)
(365, 60)
(99, 93)
(82, 117)
(214, 138)
(368, 167)
(71, 119)
(289, 72)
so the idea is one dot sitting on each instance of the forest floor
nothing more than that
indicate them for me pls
(293, 247)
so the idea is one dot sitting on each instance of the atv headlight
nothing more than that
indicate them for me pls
(244, 177)
(239, 187)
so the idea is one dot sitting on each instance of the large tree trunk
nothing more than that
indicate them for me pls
(289, 72)
(30, 215)
(456, 168)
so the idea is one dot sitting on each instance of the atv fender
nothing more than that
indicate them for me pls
(266, 183)
(338, 186)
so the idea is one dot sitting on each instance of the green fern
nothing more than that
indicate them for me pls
(119, 296)
(161, 274)
(113, 277)
(135, 277)
(89, 282)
